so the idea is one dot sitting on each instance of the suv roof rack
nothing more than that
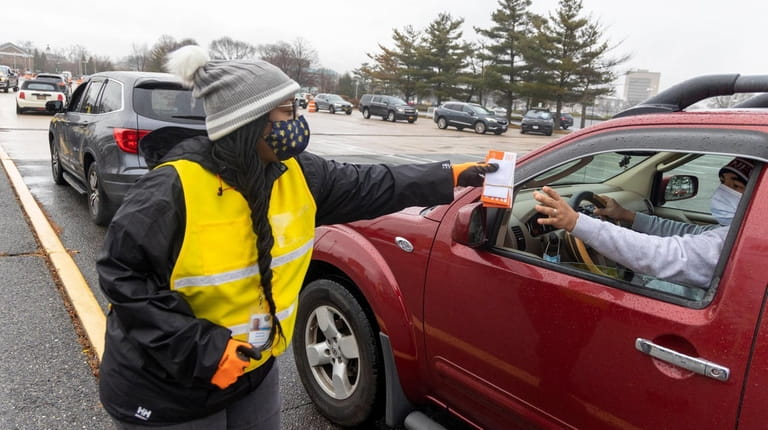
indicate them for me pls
(686, 93)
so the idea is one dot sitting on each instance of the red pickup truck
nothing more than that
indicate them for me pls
(508, 323)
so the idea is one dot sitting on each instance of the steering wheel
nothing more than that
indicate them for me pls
(577, 246)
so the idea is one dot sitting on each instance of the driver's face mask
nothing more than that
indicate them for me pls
(724, 202)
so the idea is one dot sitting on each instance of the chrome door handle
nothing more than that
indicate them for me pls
(695, 365)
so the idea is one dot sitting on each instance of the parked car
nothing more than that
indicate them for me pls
(34, 94)
(469, 115)
(59, 79)
(389, 108)
(9, 80)
(94, 138)
(332, 103)
(455, 306)
(537, 121)
(302, 99)
(566, 120)
(499, 111)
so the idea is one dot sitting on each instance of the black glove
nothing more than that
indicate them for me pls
(472, 174)
(245, 352)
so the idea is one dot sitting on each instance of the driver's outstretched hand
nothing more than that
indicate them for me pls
(559, 213)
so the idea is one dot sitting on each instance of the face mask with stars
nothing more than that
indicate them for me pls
(288, 138)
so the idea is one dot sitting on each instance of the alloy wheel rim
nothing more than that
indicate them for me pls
(332, 352)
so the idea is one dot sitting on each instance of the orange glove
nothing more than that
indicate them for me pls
(233, 362)
(471, 174)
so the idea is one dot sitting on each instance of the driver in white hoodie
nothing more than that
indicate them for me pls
(671, 250)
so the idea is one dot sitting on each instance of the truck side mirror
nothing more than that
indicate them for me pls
(680, 187)
(469, 226)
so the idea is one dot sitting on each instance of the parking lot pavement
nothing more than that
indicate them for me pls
(45, 379)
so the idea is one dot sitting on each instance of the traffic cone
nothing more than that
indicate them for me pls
(312, 107)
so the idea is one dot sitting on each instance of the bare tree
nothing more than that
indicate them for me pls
(138, 58)
(278, 54)
(226, 48)
(304, 57)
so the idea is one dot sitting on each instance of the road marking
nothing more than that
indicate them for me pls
(86, 307)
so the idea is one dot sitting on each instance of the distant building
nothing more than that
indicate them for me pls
(640, 85)
(15, 57)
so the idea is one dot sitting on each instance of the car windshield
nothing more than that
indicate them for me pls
(593, 169)
(538, 114)
(481, 110)
(335, 98)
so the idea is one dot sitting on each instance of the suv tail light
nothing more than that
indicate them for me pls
(22, 95)
(127, 139)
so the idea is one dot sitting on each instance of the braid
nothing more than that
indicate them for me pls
(244, 170)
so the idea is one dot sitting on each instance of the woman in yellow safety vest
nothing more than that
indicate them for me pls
(203, 262)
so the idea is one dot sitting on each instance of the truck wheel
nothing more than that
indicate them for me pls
(480, 127)
(332, 109)
(337, 354)
(366, 113)
(442, 123)
(391, 116)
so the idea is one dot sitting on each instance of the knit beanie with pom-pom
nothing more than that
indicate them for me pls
(234, 92)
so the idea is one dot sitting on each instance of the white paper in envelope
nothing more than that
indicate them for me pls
(499, 183)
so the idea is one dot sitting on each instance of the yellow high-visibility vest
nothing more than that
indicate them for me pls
(217, 269)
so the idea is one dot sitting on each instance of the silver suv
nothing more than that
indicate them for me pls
(9, 80)
(332, 103)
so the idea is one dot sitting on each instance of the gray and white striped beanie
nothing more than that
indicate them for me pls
(234, 92)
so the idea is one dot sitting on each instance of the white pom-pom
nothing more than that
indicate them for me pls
(185, 61)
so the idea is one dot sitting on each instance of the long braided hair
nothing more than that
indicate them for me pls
(243, 169)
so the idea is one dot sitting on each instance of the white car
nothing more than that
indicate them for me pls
(34, 94)
(500, 111)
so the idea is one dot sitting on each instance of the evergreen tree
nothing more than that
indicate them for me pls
(443, 55)
(508, 39)
(575, 69)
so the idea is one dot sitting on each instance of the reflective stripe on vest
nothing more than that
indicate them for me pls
(217, 269)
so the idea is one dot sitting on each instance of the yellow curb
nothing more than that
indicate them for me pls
(87, 308)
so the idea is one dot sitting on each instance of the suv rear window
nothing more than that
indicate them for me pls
(168, 104)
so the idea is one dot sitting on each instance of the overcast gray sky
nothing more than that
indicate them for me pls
(678, 38)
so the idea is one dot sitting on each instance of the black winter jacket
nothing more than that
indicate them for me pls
(159, 358)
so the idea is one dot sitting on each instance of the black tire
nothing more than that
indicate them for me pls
(522, 131)
(549, 133)
(391, 116)
(411, 121)
(56, 170)
(460, 128)
(366, 113)
(442, 123)
(19, 110)
(349, 112)
(98, 205)
(497, 132)
(332, 109)
(480, 127)
(362, 397)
